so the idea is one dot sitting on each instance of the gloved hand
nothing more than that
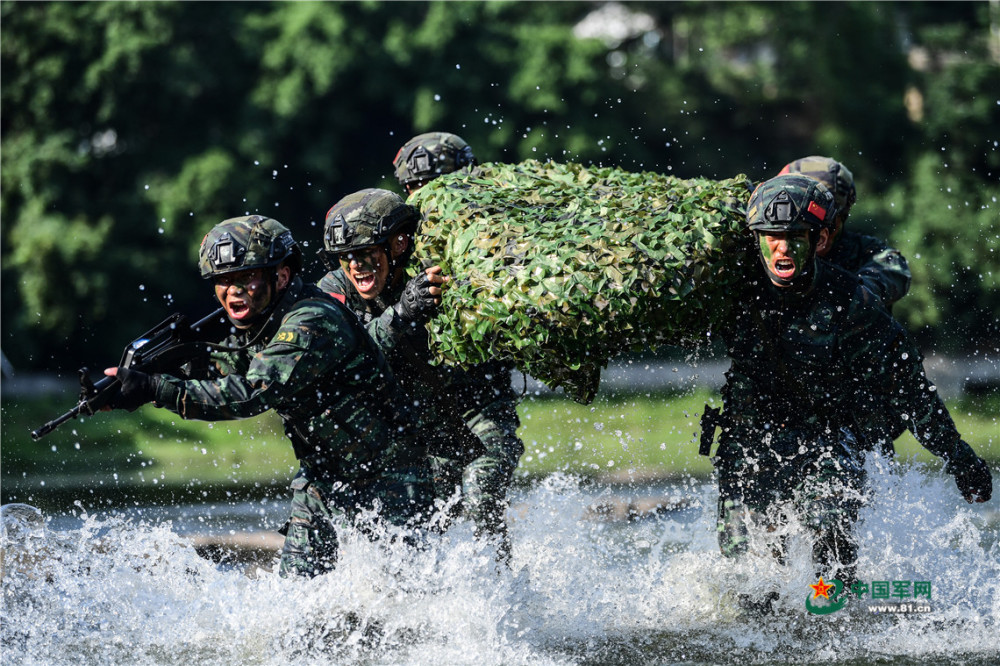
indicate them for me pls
(974, 481)
(417, 303)
(136, 390)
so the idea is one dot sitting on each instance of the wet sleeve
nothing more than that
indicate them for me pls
(889, 363)
(494, 422)
(387, 330)
(301, 350)
(883, 270)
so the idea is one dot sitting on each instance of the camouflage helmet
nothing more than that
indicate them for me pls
(244, 243)
(791, 202)
(427, 156)
(365, 218)
(837, 178)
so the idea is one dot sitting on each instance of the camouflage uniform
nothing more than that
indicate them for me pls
(804, 362)
(882, 269)
(468, 417)
(313, 363)
(454, 403)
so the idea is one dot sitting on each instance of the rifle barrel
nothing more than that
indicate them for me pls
(56, 422)
(97, 394)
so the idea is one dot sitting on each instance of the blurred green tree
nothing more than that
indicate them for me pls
(129, 128)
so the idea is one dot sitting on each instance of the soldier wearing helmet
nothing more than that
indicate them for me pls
(810, 349)
(298, 351)
(881, 268)
(427, 156)
(468, 416)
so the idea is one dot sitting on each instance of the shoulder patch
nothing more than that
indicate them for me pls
(287, 336)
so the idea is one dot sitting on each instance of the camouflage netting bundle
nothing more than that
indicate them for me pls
(559, 267)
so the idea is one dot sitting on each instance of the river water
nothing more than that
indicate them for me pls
(585, 587)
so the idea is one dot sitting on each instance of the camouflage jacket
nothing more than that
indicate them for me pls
(881, 268)
(466, 413)
(812, 361)
(314, 364)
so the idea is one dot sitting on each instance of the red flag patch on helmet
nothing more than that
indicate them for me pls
(817, 210)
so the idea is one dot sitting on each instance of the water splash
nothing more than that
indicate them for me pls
(582, 589)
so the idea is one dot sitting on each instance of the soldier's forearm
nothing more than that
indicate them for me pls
(210, 400)
(926, 415)
(886, 275)
(387, 330)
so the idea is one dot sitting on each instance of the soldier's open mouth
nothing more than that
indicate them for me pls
(364, 281)
(238, 309)
(784, 268)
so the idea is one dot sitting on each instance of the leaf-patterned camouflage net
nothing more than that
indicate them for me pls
(559, 267)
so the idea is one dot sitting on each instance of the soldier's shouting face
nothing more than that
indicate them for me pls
(245, 294)
(367, 269)
(785, 254)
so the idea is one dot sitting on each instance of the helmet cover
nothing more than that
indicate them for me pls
(245, 243)
(427, 156)
(837, 178)
(790, 202)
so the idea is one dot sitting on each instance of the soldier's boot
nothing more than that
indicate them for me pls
(757, 604)
(835, 553)
(306, 552)
(488, 514)
(731, 527)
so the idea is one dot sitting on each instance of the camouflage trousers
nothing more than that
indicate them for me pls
(483, 481)
(403, 497)
(816, 476)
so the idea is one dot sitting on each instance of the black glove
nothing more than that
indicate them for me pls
(136, 390)
(974, 481)
(417, 304)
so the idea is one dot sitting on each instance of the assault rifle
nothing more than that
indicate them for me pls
(174, 346)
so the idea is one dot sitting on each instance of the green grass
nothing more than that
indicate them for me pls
(616, 435)
(153, 453)
(657, 434)
(148, 453)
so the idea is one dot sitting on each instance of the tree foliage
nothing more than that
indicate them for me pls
(130, 128)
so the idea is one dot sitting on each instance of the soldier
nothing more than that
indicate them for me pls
(881, 268)
(468, 414)
(427, 156)
(809, 348)
(305, 355)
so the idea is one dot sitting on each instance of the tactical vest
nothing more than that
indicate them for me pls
(443, 393)
(350, 422)
(786, 346)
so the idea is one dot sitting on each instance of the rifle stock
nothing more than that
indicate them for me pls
(173, 346)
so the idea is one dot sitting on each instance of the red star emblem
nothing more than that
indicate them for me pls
(821, 589)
